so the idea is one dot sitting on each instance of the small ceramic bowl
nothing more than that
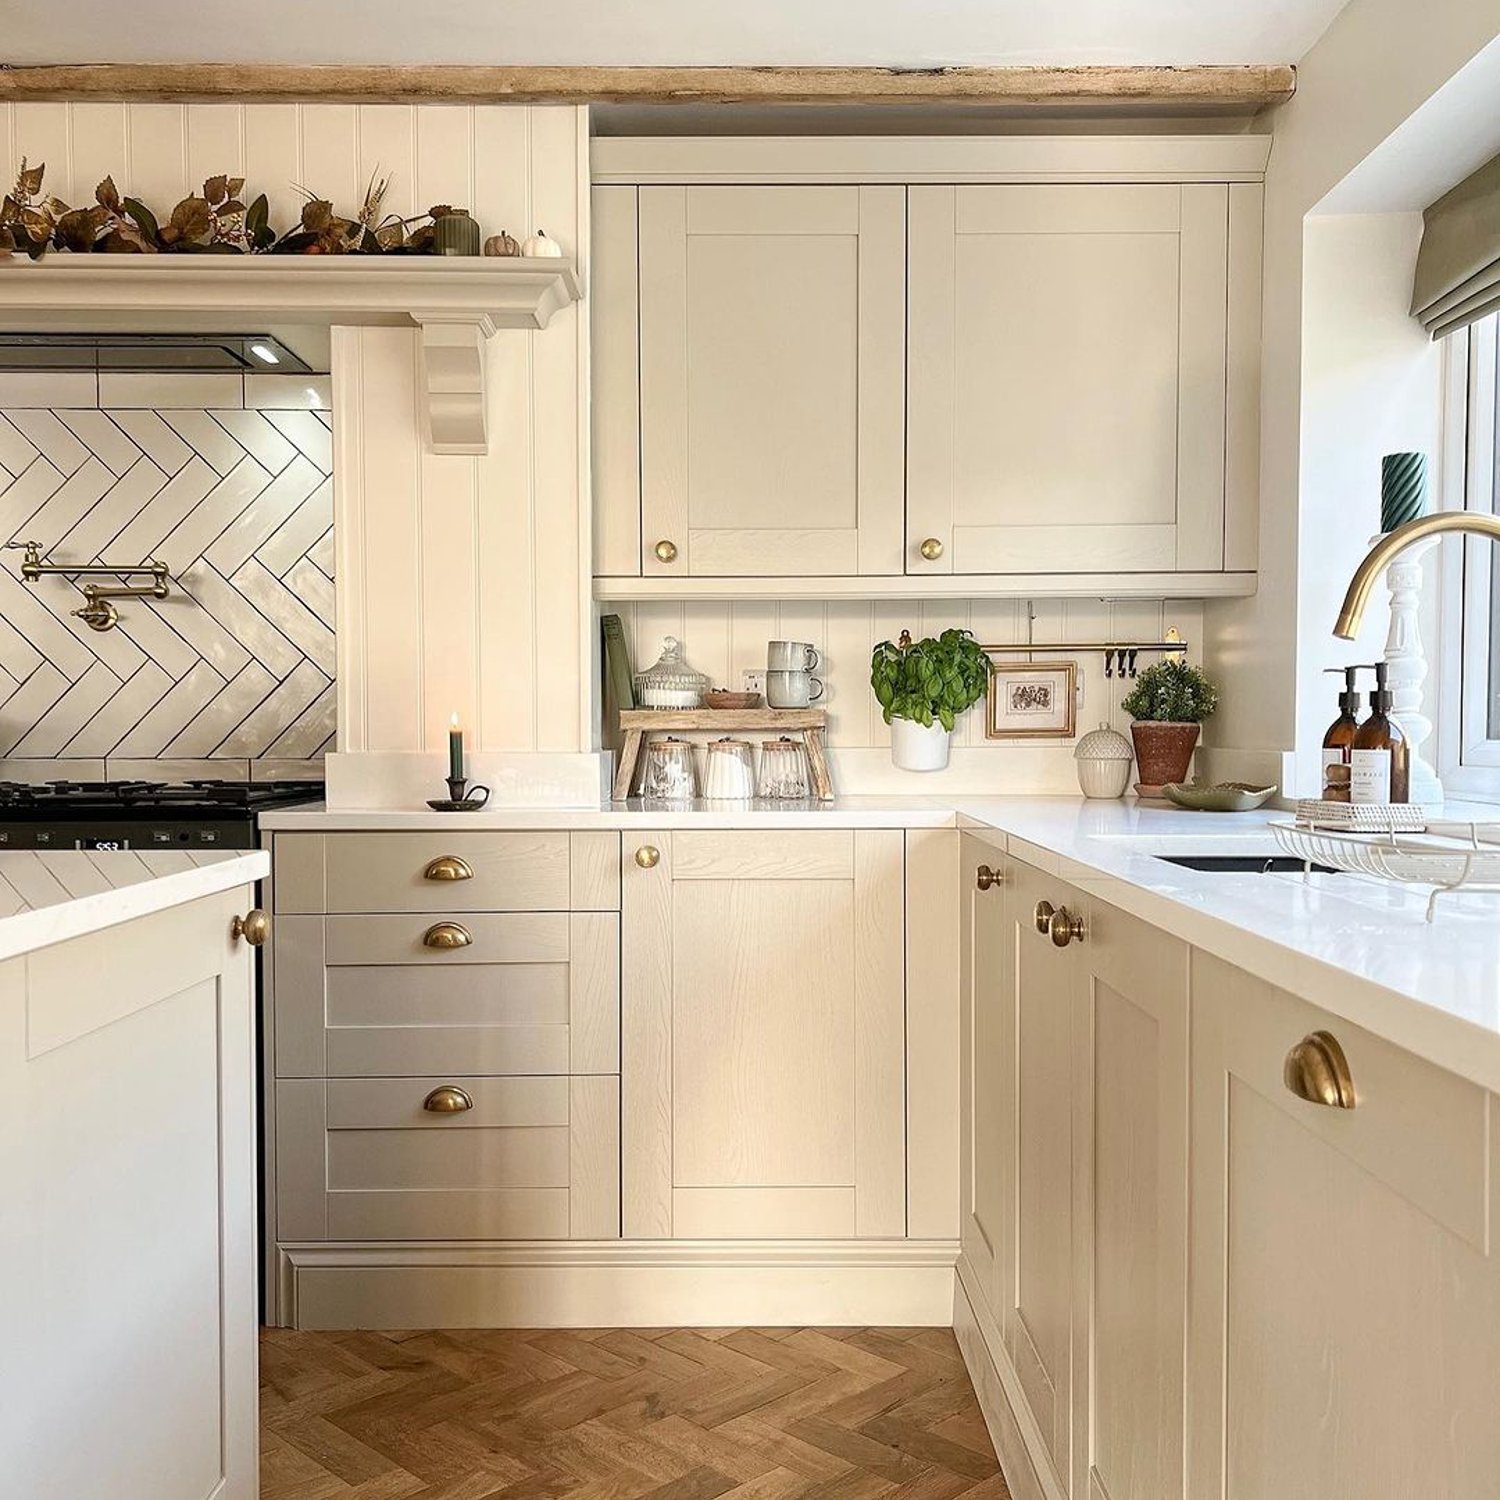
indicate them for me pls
(725, 698)
(1227, 796)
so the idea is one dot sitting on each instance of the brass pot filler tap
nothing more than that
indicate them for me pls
(97, 611)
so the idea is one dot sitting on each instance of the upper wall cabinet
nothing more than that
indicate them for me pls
(771, 333)
(1066, 395)
(903, 367)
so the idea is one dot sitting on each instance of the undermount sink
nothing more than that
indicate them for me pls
(1245, 864)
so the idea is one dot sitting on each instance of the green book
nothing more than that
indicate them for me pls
(617, 660)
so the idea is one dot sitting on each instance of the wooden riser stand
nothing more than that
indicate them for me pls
(637, 723)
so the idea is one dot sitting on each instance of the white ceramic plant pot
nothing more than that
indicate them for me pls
(915, 748)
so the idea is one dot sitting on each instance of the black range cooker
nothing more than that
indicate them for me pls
(142, 814)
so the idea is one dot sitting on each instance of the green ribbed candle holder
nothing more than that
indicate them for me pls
(1403, 489)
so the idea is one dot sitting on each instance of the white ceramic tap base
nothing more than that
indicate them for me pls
(1406, 662)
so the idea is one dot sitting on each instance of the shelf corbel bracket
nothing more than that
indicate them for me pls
(454, 406)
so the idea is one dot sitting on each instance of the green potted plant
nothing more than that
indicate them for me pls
(1168, 703)
(922, 687)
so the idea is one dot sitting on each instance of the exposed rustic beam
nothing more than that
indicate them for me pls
(1230, 89)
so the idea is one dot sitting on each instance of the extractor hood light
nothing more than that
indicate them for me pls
(261, 352)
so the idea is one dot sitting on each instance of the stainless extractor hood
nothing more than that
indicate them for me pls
(257, 353)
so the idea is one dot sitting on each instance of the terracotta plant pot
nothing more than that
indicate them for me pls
(1163, 751)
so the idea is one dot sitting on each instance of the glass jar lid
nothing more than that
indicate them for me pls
(671, 672)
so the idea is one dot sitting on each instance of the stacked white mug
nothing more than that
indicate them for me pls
(789, 679)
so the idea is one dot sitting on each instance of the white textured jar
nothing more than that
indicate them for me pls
(915, 747)
(1103, 757)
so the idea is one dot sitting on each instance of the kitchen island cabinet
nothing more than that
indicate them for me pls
(127, 1178)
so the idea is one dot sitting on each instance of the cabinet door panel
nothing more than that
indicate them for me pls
(1066, 387)
(763, 1049)
(1039, 1308)
(987, 1047)
(772, 349)
(1343, 1327)
(1130, 1207)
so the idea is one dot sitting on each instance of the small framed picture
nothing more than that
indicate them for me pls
(1031, 700)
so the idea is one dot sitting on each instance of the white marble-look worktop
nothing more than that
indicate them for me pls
(48, 896)
(1358, 947)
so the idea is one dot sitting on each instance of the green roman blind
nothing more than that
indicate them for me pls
(1457, 279)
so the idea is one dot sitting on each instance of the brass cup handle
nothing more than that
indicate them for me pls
(666, 551)
(447, 1100)
(1317, 1070)
(931, 549)
(985, 878)
(1042, 916)
(446, 935)
(448, 867)
(254, 927)
(647, 856)
(1065, 927)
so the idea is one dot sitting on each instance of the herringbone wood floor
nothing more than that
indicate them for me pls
(669, 1414)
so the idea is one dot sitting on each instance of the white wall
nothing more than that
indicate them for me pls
(1377, 63)
(463, 581)
(1371, 384)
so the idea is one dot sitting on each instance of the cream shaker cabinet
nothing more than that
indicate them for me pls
(1075, 1089)
(763, 1035)
(1077, 369)
(770, 365)
(1345, 1286)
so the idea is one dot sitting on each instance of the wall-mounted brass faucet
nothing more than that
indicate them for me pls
(97, 612)
(1379, 556)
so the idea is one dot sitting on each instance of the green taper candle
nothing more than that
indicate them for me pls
(1403, 489)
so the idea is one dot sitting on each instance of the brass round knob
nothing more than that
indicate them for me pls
(1065, 928)
(446, 935)
(984, 877)
(931, 549)
(1317, 1070)
(448, 867)
(449, 1099)
(254, 927)
(647, 856)
(666, 551)
(1042, 916)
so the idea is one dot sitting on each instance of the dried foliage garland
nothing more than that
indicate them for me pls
(217, 222)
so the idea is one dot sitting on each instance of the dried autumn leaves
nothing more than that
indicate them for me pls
(217, 221)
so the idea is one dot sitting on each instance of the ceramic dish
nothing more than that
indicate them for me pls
(726, 698)
(1227, 796)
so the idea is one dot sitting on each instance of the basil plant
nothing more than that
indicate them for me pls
(931, 680)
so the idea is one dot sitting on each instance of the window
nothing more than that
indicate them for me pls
(1469, 720)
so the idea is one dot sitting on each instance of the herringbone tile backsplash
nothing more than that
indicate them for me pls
(226, 479)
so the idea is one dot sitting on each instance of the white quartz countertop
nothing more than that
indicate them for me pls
(1360, 948)
(841, 812)
(49, 896)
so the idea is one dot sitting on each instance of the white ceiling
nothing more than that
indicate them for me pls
(909, 33)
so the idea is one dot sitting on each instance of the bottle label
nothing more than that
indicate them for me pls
(1370, 776)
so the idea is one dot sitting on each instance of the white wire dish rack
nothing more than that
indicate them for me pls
(1446, 857)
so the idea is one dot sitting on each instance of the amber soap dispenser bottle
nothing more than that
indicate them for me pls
(1380, 755)
(1338, 743)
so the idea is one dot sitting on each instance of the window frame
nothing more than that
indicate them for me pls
(1468, 756)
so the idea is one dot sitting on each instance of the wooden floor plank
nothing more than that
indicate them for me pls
(622, 1414)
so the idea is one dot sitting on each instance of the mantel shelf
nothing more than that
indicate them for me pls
(457, 302)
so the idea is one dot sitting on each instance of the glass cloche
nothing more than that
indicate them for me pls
(671, 682)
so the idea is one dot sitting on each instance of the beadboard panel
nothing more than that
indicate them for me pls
(724, 639)
(237, 664)
(463, 580)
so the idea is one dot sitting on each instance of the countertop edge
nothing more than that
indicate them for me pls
(27, 931)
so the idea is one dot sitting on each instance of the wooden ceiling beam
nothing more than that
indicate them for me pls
(1241, 89)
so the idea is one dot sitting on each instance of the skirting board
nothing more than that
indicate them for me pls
(619, 1284)
(1018, 1441)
